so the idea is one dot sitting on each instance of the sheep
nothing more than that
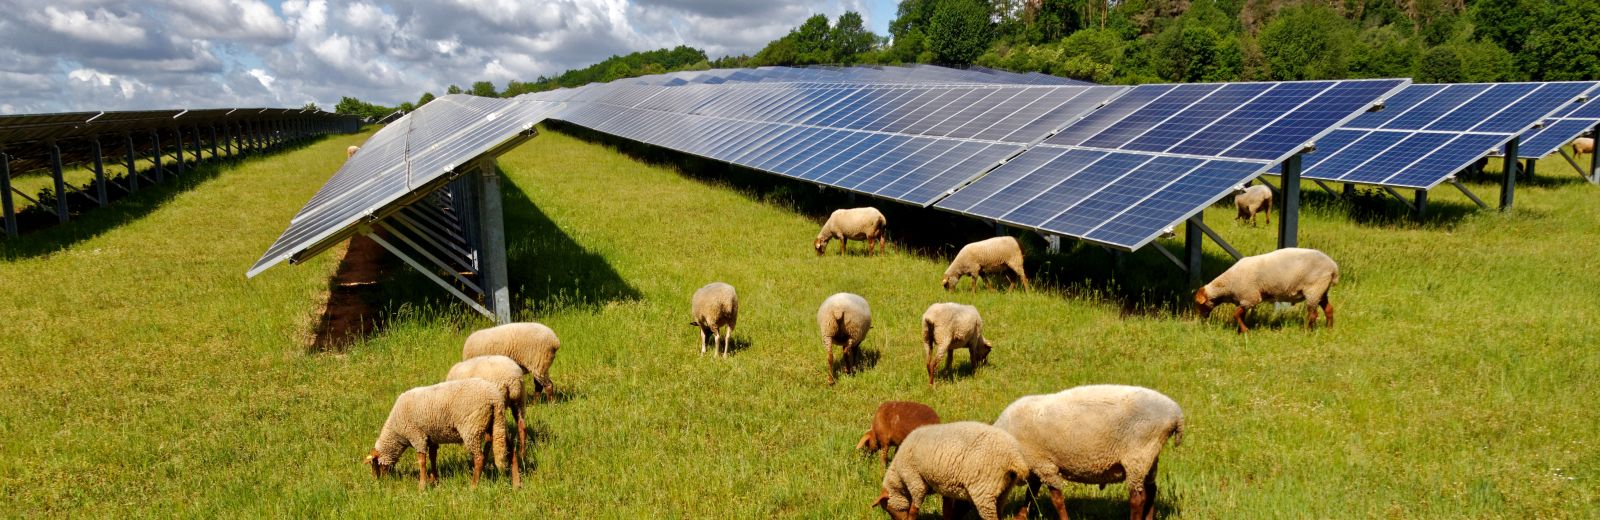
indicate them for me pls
(1582, 145)
(1253, 200)
(947, 327)
(1097, 434)
(985, 256)
(1286, 275)
(351, 151)
(844, 319)
(508, 374)
(715, 306)
(891, 423)
(966, 461)
(452, 412)
(858, 223)
(532, 345)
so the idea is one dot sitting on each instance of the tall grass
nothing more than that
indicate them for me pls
(146, 376)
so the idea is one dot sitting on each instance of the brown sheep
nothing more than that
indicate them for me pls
(893, 421)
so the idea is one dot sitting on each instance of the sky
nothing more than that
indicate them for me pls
(92, 55)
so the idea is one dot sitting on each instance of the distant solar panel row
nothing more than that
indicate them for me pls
(1562, 127)
(914, 74)
(1427, 133)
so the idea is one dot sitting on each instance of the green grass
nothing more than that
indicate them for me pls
(145, 375)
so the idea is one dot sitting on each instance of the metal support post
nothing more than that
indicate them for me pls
(179, 133)
(1289, 215)
(1508, 184)
(492, 248)
(1457, 183)
(1593, 178)
(199, 151)
(61, 182)
(1527, 169)
(7, 207)
(1192, 237)
(367, 230)
(1349, 190)
(155, 155)
(99, 173)
(133, 167)
(999, 229)
(1422, 204)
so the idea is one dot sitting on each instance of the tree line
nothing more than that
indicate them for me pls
(1149, 41)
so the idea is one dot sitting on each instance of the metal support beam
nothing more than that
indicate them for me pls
(99, 173)
(1192, 238)
(1527, 169)
(1457, 183)
(1217, 238)
(1326, 187)
(1574, 164)
(492, 247)
(214, 155)
(454, 271)
(133, 167)
(155, 155)
(426, 272)
(1422, 204)
(1172, 258)
(198, 150)
(999, 229)
(7, 207)
(1508, 182)
(61, 182)
(1593, 177)
(178, 132)
(1289, 214)
(1349, 190)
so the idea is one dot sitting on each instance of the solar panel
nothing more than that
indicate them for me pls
(402, 163)
(1426, 133)
(1127, 172)
(1552, 136)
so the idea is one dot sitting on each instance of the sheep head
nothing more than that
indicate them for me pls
(379, 469)
(819, 245)
(980, 353)
(883, 502)
(1203, 303)
(946, 282)
(867, 442)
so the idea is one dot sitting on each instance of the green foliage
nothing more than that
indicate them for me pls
(1049, 21)
(426, 97)
(452, 90)
(1384, 52)
(483, 89)
(909, 30)
(311, 106)
(815, 43)
(1508, 23)
(958, 31)
(1307, 42)
(1568, 48)
(1198, 46)
(849, 39)
(353, 106)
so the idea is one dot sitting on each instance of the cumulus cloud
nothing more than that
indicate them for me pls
(118, 54)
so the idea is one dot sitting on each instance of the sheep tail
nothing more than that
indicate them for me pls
(927, 334)
(1335, 277)
(501, 459)
(1177, 433)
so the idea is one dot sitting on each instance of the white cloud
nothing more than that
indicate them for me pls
(262, 76)
(94, 78)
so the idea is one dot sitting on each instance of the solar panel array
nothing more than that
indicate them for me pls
(1561, 128)
(1130, 171)
(1426, 133)
(912, 74)
(400, 164)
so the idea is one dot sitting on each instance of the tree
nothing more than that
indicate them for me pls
(1384, 52)
(406, 107)
(958, 32)
(1508, 23)
(1307, 42)
(811, 41)
(426, 97)
(312, 106)
(483, 89)
(453, 90)
(908, 31)
(850, 38)
(1439, 65)
(1051, 20)
(1565, 49)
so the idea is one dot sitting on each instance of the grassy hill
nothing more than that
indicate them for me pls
(145, 375)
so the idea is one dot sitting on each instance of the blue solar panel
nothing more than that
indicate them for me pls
(1587, 110)
(1403, 154)
(966, 198)
(1486, 105)
(1173, 203)
(1420, 115)
(1446, 161)
(1553, 135)
(1549, 98)
(1110, 201)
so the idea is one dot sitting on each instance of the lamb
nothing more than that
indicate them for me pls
(508, 374)
(531, 345)
(1582, 145)
(966, 461)
(1253, 200)
(351, 151)
(453, 412)
(858, 223)
(1097, 434)
(947, 327)
(891, 423)
(985, 256)
(844, 319)
(715, 306)
(1286, 275)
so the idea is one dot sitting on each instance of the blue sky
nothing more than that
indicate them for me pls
(67, 55)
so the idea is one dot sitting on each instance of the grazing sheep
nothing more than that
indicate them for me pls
(947, 327)
(351, 151)
(1253, 200)
(858, 223)
(1286, 275)
(985, 256)
(1097, 434)
(453, 412)
(715, 306)
(966, 461)
(505, 372)
(531, 345)
(844, 319)
(1582, 145)
(891, 423)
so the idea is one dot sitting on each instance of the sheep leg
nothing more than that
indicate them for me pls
(1023, 276)
(522, 431)
(951, 509)
(1267, 208)
(1238, 317)
(1150, 492)
(1311, 316)
(702, 340)
(422, 471)
(843, 243)
(433, 462)
(1327, 310)
(1060, 501)
(1136, 502)
(477, 463)
(829, 345)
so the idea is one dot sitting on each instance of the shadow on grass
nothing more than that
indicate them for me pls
(40, 232)
(1142, 283)
(735, 345)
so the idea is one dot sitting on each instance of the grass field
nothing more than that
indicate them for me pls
(146, 376)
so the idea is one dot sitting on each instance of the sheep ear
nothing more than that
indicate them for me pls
(882, 501)
(1200, 295)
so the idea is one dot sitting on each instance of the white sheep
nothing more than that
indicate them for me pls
(1097, 434)
(453, 412)
(857, 223)
(531, 345)
(505, 372)
(844, 319)
(1582, 145)
(947, 327)
(715, 306)
(1287, 275)
(1253, 200)
(351, 151)
(966, 461)
(985, 256)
